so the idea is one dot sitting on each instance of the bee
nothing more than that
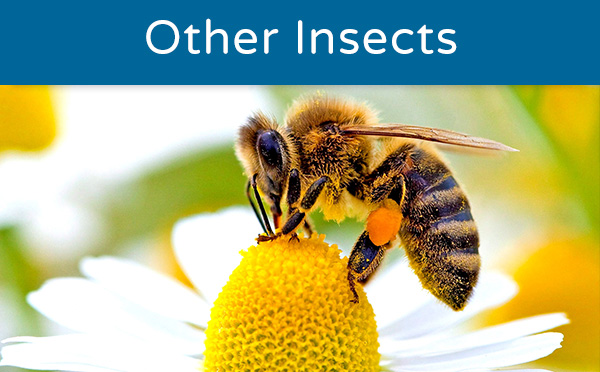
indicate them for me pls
(333, 154)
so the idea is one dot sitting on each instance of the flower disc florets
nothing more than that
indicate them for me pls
(287, 307)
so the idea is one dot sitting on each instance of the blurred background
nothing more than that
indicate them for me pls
(108, 170)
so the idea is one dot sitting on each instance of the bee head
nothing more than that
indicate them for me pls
(266, 152)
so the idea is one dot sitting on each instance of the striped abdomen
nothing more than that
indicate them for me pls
(438, 231)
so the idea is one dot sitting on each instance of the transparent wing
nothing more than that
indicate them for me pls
(426, 134)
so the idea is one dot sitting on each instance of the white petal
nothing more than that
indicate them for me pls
(500, 355)
(449, 342)
(492, 290)
(86, 307)
(83, 353)
(207, 246)
(147, 288)
(395, 292)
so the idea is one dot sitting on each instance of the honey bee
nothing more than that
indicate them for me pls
(332, 154)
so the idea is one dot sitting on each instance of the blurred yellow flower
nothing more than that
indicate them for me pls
(569, 116)
(27, 120)
(570, 113)
(562, 275)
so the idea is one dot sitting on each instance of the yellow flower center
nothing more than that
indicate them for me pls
(287, 307)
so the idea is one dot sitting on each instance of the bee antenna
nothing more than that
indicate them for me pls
(262, 224)
(262, 218)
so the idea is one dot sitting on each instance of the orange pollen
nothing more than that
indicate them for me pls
(383, 224)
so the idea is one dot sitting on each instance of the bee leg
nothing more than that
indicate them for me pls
(308, 201)
(313, 192)
(294, 237)
(293, 222)
(352, 282)
(296, 217)
(293, 195)
(307, 228)
(293, 192)
(364, 259)
(290, 226)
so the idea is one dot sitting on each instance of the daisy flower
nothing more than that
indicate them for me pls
(285, 307)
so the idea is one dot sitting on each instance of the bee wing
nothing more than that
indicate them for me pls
(426, 134)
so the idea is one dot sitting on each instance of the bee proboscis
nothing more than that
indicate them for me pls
(332, 154)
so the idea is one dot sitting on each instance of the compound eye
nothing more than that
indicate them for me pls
(269, 148)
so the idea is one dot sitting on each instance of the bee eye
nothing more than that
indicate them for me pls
(269, 148)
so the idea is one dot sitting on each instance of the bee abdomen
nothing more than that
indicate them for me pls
(442, 200)
(441, 241)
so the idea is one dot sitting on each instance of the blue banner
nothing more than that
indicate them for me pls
(308, 42)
